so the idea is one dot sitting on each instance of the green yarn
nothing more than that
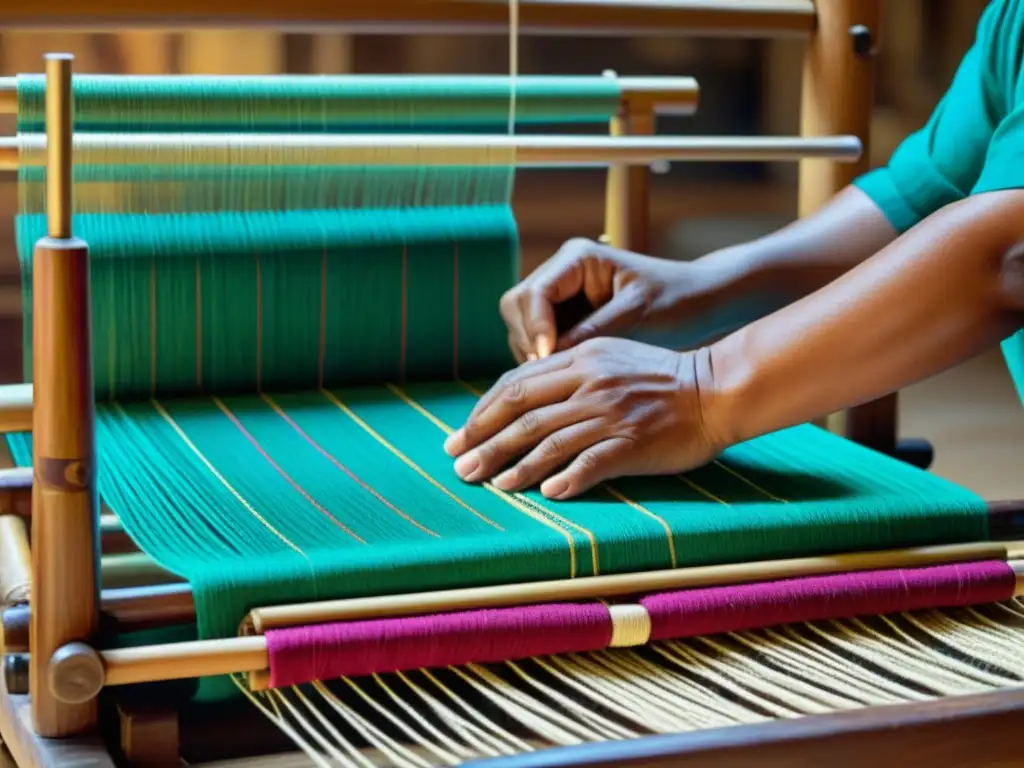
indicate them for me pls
(319, 103)
(367, 522)
(246, 322)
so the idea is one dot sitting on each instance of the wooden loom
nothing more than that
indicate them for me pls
(57, 611)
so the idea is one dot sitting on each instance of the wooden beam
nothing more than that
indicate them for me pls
(733, 18)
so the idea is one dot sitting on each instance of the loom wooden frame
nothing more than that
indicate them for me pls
(836, 100)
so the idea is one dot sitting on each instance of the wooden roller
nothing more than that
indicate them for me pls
(629, 18)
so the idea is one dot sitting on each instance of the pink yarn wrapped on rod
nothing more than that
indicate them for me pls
(708, 611)
(354, 648)
(349, 649)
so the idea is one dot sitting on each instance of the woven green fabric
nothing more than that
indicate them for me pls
(320, 103)
(296, 497)
(246, 323)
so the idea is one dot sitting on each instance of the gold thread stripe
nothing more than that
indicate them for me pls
(749, 482)
(213, 470)
(644, 511)
(531, 509)
(402, 457)
(613, 492)
(701, 490)
(266, 457)
(365, 486)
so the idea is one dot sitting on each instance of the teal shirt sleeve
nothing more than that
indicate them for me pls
(944, 161)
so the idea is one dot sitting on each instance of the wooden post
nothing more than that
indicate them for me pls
(838, 92)
(627, 198)
(65, 538)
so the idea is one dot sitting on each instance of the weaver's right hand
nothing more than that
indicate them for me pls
(610, 292)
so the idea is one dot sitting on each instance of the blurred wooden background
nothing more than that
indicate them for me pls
(747, 87)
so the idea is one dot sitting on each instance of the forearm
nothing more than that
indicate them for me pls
(762, 276)
(935, 297)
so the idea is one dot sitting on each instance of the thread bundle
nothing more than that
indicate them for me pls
(360, 648)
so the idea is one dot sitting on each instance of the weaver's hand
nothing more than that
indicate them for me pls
(606, 408)
(621, 293)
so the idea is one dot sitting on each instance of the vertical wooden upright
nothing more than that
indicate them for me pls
(65, 539)
(838, 93)
(627, 203)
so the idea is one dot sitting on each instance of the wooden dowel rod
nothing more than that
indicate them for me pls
(16, 491)
(15, 561)
(236, 655)
(628, 18)
(617, 585)
(179, 661)
(65, 553)
(627, 203)
(672, 95)
(133, 569)
(15, 405)
(16, 499)
(134, 608)
(432, 149)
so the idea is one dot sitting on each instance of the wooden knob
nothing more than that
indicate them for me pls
(16, 673)
(14, 624)
(76, 673)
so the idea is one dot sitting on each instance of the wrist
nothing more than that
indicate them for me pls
(720, 397)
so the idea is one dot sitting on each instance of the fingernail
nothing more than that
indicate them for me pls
(506, 481)
(453, 442)
(543, 348)
(531, 357)
(466, 466)
(555, 488)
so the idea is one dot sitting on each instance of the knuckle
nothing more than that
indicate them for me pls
(509, 302)
(553, 446)
(587, 462)
(514, 393)
(529, 424)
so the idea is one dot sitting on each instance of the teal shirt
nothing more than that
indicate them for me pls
(973, 142)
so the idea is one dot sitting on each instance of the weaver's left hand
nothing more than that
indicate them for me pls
(606, 408)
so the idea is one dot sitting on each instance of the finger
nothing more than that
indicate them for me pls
(517, 351)
(518, 339)
(561, 278)
(533, 427)
(531, 369)
(600, 462)
(541, 327)
(554, 451)
(519, 396)
(623, 312)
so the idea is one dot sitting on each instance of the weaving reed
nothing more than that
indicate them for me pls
(280, 351)
(450, 716)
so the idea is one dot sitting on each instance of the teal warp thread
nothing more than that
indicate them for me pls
(319, 103)
(314, 529)
(245, 321)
